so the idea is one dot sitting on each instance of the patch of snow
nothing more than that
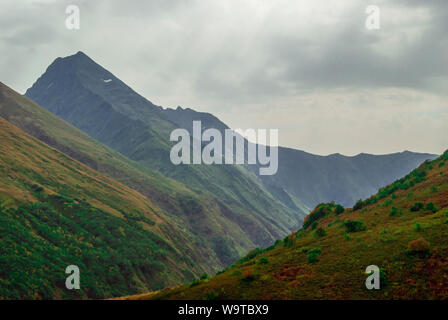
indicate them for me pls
(107, 80)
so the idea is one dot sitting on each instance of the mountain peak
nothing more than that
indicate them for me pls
(80, 53)
(67, 73)
(78, 57)
(76, 85)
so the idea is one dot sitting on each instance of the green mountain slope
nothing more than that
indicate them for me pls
(402, 230)
(55, 212)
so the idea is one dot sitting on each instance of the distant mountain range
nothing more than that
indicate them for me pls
(314, 179)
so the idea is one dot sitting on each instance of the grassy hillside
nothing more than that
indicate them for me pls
(403, 229)
(55, 211)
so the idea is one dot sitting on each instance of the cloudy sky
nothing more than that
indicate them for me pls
(309, 68)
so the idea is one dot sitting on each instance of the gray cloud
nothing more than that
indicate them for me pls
(297, 66)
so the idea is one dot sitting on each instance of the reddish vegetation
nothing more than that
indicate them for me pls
(419, 245)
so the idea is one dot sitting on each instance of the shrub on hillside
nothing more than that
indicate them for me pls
(393, 212)
(320, 232)
(445, 155)
(37, 188)
(418, 227)
(417, 206)
(339, 209)
(419, 246)
(211, 296)
(313, 255)
(431, 207)
(248, 276)
(358, 205)
(263, 260)
(347, 236)
(194, 283)
(383, 278)
(221, 272)
(236, 273)
(252, 254)
(354, 226)
(319, 213)
(288, 241)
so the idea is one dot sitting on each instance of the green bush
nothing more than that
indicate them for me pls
(393, 212)
(320, 233)
(220, 272)
(263, 260)
(37, 188)
(211, 296)
(252, 254)
(417, 206)
(383, 278)
(195, 283)
(321, 212)
(387, 203)
(288, 241)
(445, 155)
(313, 255)
(358, 205)
(354, 226)
(431, 207)
(339, 209)
(236, 273)
(418, 227)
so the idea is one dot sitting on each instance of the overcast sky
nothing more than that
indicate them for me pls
(309, 68)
